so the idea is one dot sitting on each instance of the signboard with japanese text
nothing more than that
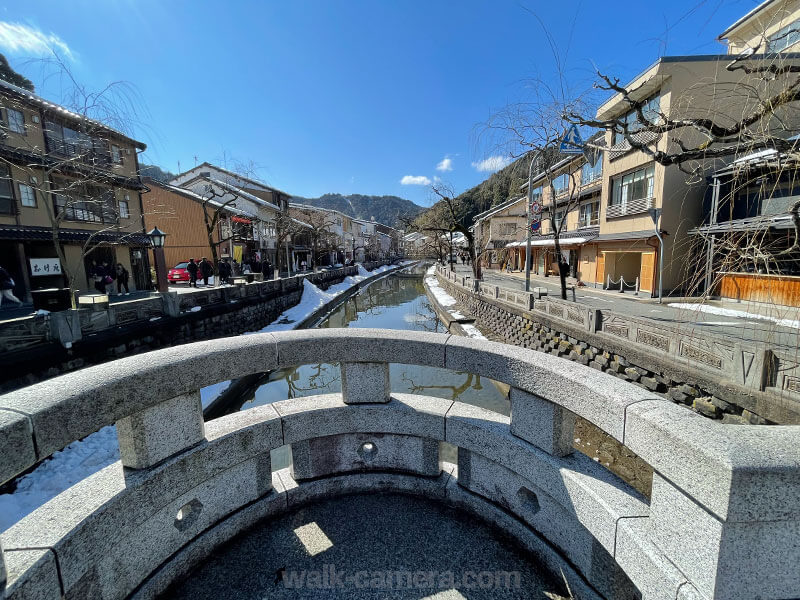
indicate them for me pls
(45, 266)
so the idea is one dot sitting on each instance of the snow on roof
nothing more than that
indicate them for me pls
(199, 198)
(208, 165)
(240, 192)
(65, 112)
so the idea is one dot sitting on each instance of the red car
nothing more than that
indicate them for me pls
(178, 273)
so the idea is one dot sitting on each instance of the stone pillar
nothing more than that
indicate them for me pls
(497, 291)
(747, 554)
(365, 382)
(153, 434)
(542, 423)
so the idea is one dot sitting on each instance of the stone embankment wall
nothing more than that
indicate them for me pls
(717, 377)
(44, 346)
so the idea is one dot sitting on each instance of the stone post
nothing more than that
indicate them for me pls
(734, 557)
(171, 305)
(544, 424)
(497, 291)
(365, 382)
(158, 432)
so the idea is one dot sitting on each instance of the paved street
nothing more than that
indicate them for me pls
(739, 327)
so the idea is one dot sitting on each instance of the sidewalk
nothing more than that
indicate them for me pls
(750, 322)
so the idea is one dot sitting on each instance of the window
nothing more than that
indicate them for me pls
(93, 205)
(27, 196)
(651, 109)
(592, 173)
(508, 229)
(16, 120)
(558, 218)
(637, 185)
(123, 209)
(589, 214)
(561, 183)
(784, 37)
(116, 155)
(7, 204)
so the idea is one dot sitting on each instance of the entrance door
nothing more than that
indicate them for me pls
(601, 269)
(647, 271)
(140, 269)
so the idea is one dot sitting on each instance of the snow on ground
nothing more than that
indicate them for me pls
(64, 469)
(729, 312)
(438, 292)
(445, 300)
(82, 458)
(472, 331)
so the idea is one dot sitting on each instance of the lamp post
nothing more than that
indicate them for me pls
(528, 232)
(655, 214)
(157, 239)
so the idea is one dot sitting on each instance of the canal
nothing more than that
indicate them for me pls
(394, 302)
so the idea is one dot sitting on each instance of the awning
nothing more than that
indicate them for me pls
(574, 241)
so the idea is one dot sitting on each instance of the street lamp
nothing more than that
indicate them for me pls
(157, 239)
(655, 214)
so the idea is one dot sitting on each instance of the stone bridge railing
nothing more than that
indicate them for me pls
(723, 520)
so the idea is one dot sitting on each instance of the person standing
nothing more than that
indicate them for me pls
(206, 270)
(266, 269)
(191, 268)
(122, 280)
(224, 269)
(7, 287)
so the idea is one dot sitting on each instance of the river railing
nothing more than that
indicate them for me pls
(723, 520)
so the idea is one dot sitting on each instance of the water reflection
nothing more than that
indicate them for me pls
(390, 303)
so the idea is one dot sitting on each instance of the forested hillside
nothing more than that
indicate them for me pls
(389, 210)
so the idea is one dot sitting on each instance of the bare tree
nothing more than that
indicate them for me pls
(318, 231)
(77, 160)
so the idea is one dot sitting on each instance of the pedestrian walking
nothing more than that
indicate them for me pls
(191, 268)
(122, 280)
(206, 270)
(97, 274)
(267, 270)
(6, 287)
(109, 275)
(224, 269)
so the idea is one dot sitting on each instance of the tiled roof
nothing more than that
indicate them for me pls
(21, 232)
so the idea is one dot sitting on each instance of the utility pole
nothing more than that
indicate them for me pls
(655, 214)
(528, 234)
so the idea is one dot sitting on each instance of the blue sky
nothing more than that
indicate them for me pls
(342, 96)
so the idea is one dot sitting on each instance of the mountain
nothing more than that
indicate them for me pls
(155, 172)
(389, 210)
(499, 187)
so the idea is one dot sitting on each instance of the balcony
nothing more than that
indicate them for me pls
(630, 207)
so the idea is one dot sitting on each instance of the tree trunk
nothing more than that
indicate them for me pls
(562, 267)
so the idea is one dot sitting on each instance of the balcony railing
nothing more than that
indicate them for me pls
(629, 207)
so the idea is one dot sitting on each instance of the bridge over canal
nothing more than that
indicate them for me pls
(722, 521)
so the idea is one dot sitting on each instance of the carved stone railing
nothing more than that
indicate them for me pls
(723, 520)
(769, 371)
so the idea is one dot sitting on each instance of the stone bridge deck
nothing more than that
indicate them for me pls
(723, 520)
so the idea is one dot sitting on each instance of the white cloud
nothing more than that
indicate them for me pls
(445, 165)
(415, 180)
(492, 164)
(19, 38)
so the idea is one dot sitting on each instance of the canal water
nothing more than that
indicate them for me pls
(394, 302)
